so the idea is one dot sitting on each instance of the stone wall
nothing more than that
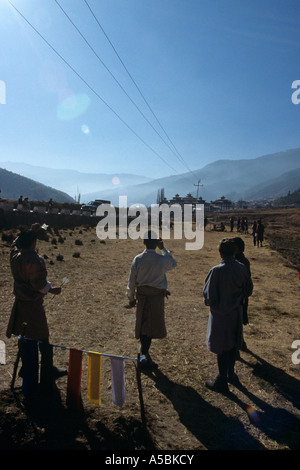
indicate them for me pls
(15, 218)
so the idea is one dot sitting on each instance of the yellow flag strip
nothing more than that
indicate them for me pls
(94, 377)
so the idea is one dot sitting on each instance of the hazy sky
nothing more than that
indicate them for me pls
(153, 87)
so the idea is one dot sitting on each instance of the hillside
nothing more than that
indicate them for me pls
(235, 179)
(268, 176)
(290, 198)
(13, 185)
(71, 181)
(275, 188)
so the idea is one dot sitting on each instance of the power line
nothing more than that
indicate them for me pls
(116, 80)
(137, 87)
(90, 87)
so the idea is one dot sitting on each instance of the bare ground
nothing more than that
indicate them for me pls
(180, 412)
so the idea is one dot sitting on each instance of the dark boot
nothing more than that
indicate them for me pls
(218, 385)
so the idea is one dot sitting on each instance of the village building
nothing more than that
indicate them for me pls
(221, 204)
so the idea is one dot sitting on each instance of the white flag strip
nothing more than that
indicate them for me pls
(118, 380)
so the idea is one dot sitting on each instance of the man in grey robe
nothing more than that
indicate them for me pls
(226, 286)
(147, 285)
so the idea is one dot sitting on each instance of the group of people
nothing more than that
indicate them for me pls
(241, 225)
(226, 290)
(24, 202)
(257, 229)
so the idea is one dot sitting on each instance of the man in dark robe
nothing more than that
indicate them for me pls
(225, 286)
(30, 286)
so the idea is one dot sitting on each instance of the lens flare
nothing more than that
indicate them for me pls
(116, 180)
(72, 107)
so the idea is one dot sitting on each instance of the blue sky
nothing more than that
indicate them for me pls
(216, 75)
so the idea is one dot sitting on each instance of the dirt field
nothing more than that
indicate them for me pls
(181, 413)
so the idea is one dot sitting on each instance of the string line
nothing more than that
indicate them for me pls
(84, 351)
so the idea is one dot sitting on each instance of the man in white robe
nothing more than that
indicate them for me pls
(147, 285)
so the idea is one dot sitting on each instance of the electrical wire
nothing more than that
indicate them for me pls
(179, 156)
(119, 84)
(90, 87)
(109, 71)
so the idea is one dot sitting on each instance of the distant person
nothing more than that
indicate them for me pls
(253, 233)
(260, 233)
(240, 256)
(147, 286)
(26, 204)
(50, 204)
(242, 224)
(231, 224)
(30, 287)
(225, 286)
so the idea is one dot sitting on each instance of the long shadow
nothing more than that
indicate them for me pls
(211, 427)
(285, 384)
(42, 422)
(277, 423)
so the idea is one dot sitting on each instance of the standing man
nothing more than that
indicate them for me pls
(225, 286)
(147, 285)
(30, 287)
(260, 233)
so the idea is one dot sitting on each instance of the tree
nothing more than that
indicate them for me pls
(160, 196)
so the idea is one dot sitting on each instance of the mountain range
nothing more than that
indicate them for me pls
(267, 177)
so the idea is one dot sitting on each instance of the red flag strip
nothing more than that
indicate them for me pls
(74, 378)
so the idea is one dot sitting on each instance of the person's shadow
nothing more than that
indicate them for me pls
(45, 423)
(285, 384)
(278, 423)
(211, 427)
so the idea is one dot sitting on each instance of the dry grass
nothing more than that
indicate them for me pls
(181, 413)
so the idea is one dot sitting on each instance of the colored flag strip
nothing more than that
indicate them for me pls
(94, 375)
(117, 366)
(74, 378)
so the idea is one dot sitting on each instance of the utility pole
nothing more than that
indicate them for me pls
(198, 184)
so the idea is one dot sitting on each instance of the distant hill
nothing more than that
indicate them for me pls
(290, 198)
(13, 186)
(266, 176)
(269, 176)
(74, 182)
(276, 187)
